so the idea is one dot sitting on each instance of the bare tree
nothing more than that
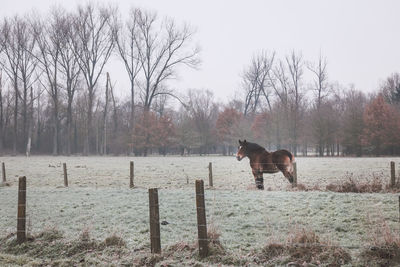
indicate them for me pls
(30, 123)
(105, 112)
(69, 68)
(1, 97)
(320, 87)
(391, 89)
(1, 110)
(295, 65)
(18, 42)
(353, 122)
(10, 44)
(204, 114)
(161, 49)
(27, 67)
(92, 47)
(280, 83)
(255, 81)
(115, 113)
(125, 39)
(49, 40)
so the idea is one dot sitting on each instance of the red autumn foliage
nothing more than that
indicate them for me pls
(260, 125)
(153, 132)
(226, 123)
(382, 126)
(165, 131)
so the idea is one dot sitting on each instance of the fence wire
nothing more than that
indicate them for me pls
(235, 221)
(238, 218)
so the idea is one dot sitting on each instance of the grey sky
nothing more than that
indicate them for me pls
(361, 39)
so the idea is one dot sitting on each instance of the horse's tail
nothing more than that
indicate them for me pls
(290, 155)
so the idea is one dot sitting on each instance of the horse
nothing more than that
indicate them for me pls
(262, 161)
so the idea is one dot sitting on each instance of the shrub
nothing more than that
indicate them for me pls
(358, 185)
(384, 247)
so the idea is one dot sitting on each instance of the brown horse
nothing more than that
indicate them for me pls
(262, 161)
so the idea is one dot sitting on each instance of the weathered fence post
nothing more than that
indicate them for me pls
(65, 175)
(3, 166)
(131, 185)
(155, 238)
(392, 174)
(201, 219)
(294, 174)
(210, 175)
(21, 216)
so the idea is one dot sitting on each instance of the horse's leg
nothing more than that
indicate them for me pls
(287, 171)
(258, 177)
(289, 176)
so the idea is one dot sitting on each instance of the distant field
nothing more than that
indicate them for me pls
(174, 172)
(98, 199)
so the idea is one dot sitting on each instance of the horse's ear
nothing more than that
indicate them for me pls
(244, 142)
(240, 142)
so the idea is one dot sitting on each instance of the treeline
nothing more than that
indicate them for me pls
(55, 96)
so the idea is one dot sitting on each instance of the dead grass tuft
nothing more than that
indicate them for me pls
(358, 184)
(303, 247)
(85, 235)
(49, 235)
(114, 241)
(50, 248)
(384, 249)
(271, 251)
(301, 187)
(183, 253)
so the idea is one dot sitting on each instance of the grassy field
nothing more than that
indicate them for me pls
(99, 202)
(174, 172)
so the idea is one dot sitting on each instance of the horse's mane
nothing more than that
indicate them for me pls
(253, 147)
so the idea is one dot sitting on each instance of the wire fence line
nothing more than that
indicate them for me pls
(234, 231)
(220, 208)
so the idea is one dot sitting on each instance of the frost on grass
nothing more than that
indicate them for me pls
(50, 247)
(384, 247)
(180, 172)
(187, 253)
(302, 246)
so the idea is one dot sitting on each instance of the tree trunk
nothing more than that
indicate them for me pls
(1, 118)
(105, 117)
(88, 128)
(69, 127)
(30, 126)
(56, 128)
(132, 109)
(39, 128)
(15, 138)
(24, 115)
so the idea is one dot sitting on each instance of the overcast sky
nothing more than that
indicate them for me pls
(361, 39)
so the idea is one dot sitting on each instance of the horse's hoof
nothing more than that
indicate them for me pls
(261, 187)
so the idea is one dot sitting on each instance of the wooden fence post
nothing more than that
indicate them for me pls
(210, 175)
(131, 185)
(399, 208)
(65, 175)
(294, 174)
(201, 219)
(21, 216)
(392, 174)
(155, 238)
(3, 166)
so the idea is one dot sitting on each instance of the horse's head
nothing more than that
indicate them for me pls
(242, 150)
